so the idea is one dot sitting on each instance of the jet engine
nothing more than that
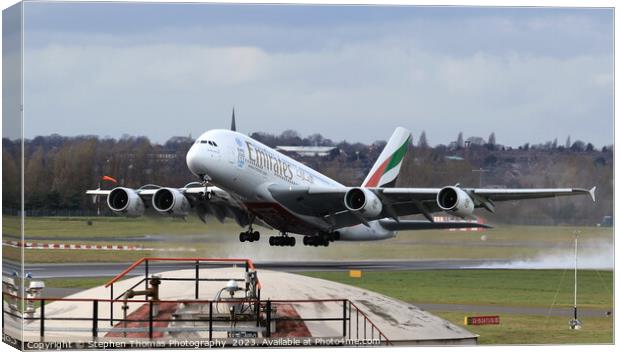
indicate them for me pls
(456, 201)
(364, 201)
(125, 201)
(169, 201)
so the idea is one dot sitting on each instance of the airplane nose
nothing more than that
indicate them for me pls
(194, 162)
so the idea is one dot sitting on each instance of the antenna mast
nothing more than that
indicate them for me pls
(574, 323)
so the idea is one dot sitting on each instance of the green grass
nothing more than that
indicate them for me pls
(533, 288)
(536, 329)
(516, 288)
(503, 242)
(83, 282)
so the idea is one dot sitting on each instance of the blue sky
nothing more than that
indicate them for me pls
(354, 73)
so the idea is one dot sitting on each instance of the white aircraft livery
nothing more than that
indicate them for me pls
(243, 179)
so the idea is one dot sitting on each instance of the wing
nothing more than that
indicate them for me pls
(328, 203)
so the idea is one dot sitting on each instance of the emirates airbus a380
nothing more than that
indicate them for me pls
(243, 179)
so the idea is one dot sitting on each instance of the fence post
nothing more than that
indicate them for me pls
(150, 319)
(197, 278)
(3, 318)
(357, 324)
(350, 320)
(42, 316)
(95, 316)
(210, 320)
(112, 304)
(344, 318)
(257, 312)
(268, 318)
(146, 274)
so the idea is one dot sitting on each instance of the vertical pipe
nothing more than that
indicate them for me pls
(150, 319)
(365, 328)
(95, 317)
(42, 316)
(197, 279)
(268, 316)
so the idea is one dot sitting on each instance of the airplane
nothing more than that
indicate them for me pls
(243, 179)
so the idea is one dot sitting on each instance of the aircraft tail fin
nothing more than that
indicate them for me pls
(385, 170)
(233, 125)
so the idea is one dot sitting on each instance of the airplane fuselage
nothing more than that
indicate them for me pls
(244, 167)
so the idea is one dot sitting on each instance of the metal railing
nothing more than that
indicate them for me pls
(355, 323)
(248, 265)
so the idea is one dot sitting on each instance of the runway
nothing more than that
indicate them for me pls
(64, 270)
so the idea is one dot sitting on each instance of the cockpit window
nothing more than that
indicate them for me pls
(203, 142)
(214, 144)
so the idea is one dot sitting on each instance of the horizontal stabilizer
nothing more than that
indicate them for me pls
(427, 225)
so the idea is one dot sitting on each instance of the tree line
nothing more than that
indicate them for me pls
(59, 169)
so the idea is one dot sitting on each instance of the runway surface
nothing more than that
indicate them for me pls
(112, 269)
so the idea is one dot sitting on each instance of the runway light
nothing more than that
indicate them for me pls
(355, 273)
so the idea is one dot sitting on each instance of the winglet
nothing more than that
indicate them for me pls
(591, 191)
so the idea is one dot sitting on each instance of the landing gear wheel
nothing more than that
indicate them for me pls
(315, 241)
(256, 235)
(242, 237)
(281, 241)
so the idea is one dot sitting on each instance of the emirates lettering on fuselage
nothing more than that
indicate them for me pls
(264, 160)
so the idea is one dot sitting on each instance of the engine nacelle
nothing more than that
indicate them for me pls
(455, 201)
(169, 201)
(125, 201)
(363, 201)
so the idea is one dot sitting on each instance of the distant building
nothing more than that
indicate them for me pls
(308, 150)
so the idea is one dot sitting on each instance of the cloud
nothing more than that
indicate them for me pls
(344, 78)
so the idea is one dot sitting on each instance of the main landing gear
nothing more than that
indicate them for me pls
(321, 240)
(249, 235)
(282, 240)
(315, 241)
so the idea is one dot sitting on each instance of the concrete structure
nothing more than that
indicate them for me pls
(402, 323)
